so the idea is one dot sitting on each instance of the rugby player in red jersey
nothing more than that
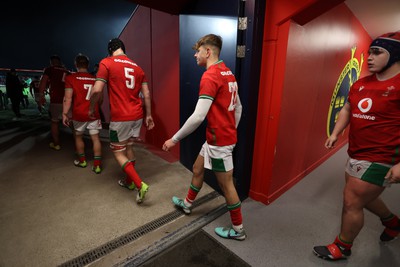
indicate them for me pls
(125, 80)
(54, 77)
(218, 102)
(77, 92)
(373, 113)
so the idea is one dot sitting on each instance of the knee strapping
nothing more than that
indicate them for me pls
(117, 148)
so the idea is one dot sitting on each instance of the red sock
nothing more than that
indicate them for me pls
(342, 243)
(133, 162)
(131, 174)
(236, 213)
(391, 222)
(192, 193)
(82, 157)
(97, 161)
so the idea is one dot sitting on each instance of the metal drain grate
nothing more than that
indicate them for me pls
(103, 250)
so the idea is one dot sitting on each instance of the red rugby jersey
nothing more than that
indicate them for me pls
(81, 83)
(124, 80)
(57, 76)
(375, 120)
(219, 84)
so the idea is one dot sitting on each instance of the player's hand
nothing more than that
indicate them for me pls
(91, 114)
(66, 120)
(393, 175)
(149, 122)
(330, 142)
(168, 145)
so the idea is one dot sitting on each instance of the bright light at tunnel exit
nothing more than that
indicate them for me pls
(226, 26)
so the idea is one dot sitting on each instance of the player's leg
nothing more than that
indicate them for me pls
(357, 195)
(194, 188)
(94, 128)
(134, 133)
(130, 152)
(120, 133)
(55, 111)
(80, 150)
(364, 184)
(97, 163)
(55, 133)
(236, 231)
(389, 220)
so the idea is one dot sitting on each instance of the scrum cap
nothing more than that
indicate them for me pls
(115, 44)
(391, 43)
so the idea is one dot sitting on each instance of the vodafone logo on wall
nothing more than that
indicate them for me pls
(365, 105)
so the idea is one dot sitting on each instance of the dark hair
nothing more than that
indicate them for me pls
(81, 61)
(56, 57)
(55, 60)
(114, 44)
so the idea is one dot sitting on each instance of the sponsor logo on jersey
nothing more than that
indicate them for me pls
(225, 73)
(364, 105)
(124, 61)
(85, 78)
(364, 117)
(350, 73)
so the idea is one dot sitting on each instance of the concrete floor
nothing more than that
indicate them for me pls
(52, 211)
(283, 233)
(55, 214)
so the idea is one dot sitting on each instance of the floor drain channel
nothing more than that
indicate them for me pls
(173, 238)
(103, 250)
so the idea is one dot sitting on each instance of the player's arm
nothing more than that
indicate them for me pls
(192, 123)
(67, 105)
(238, 110)
(43, 83)
(101, 99)
(147, 105)
(342, 121)
(96, 95)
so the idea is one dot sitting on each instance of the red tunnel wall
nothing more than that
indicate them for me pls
(152, 40)
(300, 68)
(298, 76)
